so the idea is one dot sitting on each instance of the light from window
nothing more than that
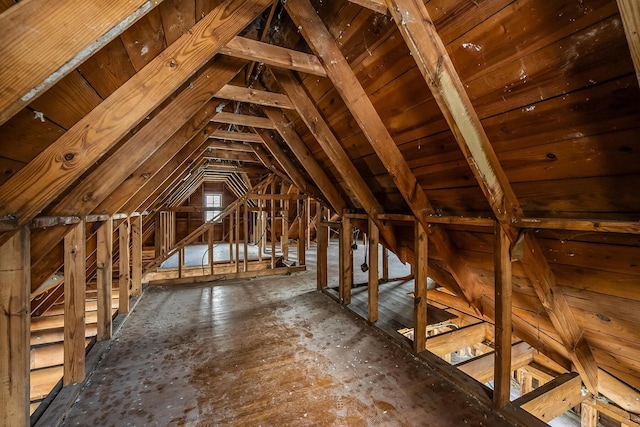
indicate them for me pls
(213, 206)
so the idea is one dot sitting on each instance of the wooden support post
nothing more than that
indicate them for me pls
(307, 221)
(385, 264)
(136, 255)
(503, 327)
(273, 225)
(157, 238)
(302, 227)
(15, 319)
(180, 262)
(74, 305)
(526, 383)
(104, 278)
(346, 261)
(421, 247)
(237, 237)
(588, 415)
(210, 237)
(284, 238)
(245, 232)
(230, 238)
(321, 255)
(124, 275)
(260, 228)
(374, 240)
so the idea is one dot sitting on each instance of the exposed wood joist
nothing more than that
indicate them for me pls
(553, 398)
(276, 56)
(434, 63)
(448, 342)
(236, 136)
(230, 155)
(243, 120)
(66, 159)
(230, 146)
(254, 96)
(481, 367)
(15, 321)
(600, 226)
(630, 14)
(35, 63)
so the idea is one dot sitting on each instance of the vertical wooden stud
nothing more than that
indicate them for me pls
(374, 239)
(346, 255)
(157, 235)
(321, 255)
(302, 227)
(104, 278)
(385, 264)
(136, 255)
(210, 243)
(15, 319)
(230, 238)
(588, 415)
(273, 225)
(503, 291)
(307, 221)
(74, 304)
(245, 232)
(237, 237)
(124, 275)
(180, 261)
(420, 292)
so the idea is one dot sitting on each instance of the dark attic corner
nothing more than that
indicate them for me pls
(313, 212)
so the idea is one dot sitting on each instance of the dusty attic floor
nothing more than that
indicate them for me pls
(269, 351)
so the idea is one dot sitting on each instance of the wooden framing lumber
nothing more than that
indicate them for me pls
(104, 279)
(553, 398)
(448, 342)
(609, 410)
(375, 5)
(236, 136)
(346, 261)
(74, 305)
(136, 256)
(305, 158)
(36, 62)
(322, 247)
(630, 14)
(503, 327)
(228, 276)
(124, 275)
(373, 290)
(481, 368)
(230, 146)
(434, 63)
(588, 415)
(602, 226)
(620, 393)
(421, 256)
(254, 96)
(15, 318)
(230, 155)
(66, 159)
(243, 120)
(253, 50)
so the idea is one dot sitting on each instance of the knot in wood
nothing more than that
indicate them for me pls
(69, 156)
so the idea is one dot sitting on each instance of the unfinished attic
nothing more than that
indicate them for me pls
(320, 212)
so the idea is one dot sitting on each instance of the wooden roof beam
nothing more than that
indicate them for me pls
(553, 398)
(34, 63)
(243, 120)
(360, 106)
(27, 192)
(231, 155)
(433, 61)
(306, 159)
(630, 14)
(481, 367)
(230, 146)
(276, 56)
(375, 5)
(254, 96)
(236, 136)
(468, 336)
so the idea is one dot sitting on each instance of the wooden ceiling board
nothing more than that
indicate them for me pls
(203, 7)
(8, 167)
(67, 101)
(25, 135)
(108, 69)
(145, 39)
(177, 18)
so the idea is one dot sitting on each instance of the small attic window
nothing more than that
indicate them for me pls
(212, 206)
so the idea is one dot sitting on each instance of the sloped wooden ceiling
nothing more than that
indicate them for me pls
(527, 112)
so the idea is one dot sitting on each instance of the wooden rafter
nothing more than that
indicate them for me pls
(230, 146)
(236, 136)
(630, 14)
(254, 96)
(66, 159)
(243, 120)
(275, 56)
(434, 63)
(217, 154)
(35, 63)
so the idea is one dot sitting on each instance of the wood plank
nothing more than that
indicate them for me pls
(243, 120)
(14, 329)
(630, 14)
(620, 393)
(136, 256)
(124, 272)
(458, 339)
(305, 158)
(554, 398)
(231, 146)
(303, 224)
(373, 273)
(603, 226)
(588, 415)
(230, 155)
(177, 18)
(104, 279)
(65, 160)
(43, 61)
(254, 96)
(253, 50)
(346, 261)
(421, 255)
(148, 29)
(503, 325)
(74, 305)
(375, 5)
(322, 245)
(236, 136)
(228, 276)
(481, 368)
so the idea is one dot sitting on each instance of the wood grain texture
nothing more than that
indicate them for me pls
(62, 162)
(503, 324)
(35, 63)
(104, 279)
(253, 96)
(243, 120)
(74, 304)
(630, 14)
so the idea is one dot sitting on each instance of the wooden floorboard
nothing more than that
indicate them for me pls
(269, 351)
